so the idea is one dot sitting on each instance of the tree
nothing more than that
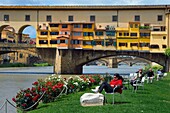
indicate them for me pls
(167, 52)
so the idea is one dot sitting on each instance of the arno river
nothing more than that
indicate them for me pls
(14, 79)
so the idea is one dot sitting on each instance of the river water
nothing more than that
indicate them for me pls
(14, 79)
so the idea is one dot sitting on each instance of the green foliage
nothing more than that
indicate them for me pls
(41, 64)
(155, 68)
(144, 27)
(167, 52)
(13, 65)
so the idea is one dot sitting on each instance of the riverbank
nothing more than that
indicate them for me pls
(153, 99)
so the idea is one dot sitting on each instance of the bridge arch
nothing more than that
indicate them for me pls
(72, 61)
(136, 60)
(21, 29)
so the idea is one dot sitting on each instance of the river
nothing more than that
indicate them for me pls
(14, 79)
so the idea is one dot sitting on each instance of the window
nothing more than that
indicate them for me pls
(75, 41)
(92, 18)
(53, 25)
(88, 34)
(160, 18)
(164, 37)
(110, 33)
(77, 26)
(144, 44)
(110, 43)
(87, 42)
(144, 34)
(53, 41)
(137, 18)
(20, 55)
(62, 41)
(70, 18)
(147, 25)
(76, 33)
(114, 18)
(120, 34)
(64, 33)
(163, 46)
(154, 46)
(99, 33)
(123, 44)
(163, 28)
(64, 26)
(133, 44)
(133, 34)
(6, 17)
(126, 34)
(27, 17)
(131, 25)
(98, 42)
(54, 33)
(43, 41)
(136, 25)
(89, 26)
(44, 33)
(48, 18)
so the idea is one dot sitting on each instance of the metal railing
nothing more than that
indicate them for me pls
(5, 104)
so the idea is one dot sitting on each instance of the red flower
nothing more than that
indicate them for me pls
(49, 84)
(14, 99)
(27, 95)
(39, 88)
(91, 80)
(33, 89)
(35, 83)
(72, 86)
(54, 88)
(24, 104)
(44, 89)
(59, 85)
(35, 98)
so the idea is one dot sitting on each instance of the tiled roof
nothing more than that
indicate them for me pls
(87, 7)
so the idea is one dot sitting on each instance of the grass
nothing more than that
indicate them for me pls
(153, 99)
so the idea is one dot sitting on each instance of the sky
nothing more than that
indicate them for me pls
(84, 2)
(32, 31)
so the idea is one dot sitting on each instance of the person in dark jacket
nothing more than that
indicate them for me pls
(150, 76)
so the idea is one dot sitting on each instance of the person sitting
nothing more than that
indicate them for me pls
(159, 74)
(137, 78)
(115, 85)
(150, 76)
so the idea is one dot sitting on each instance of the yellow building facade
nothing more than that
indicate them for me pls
(129, 28)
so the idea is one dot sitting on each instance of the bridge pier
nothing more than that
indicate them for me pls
(112, 63)
(66, 61)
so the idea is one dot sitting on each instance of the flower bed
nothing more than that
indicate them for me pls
(53, 86)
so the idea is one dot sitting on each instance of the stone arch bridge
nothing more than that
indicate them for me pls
(71, 61)
(28, 51)
(113, 62)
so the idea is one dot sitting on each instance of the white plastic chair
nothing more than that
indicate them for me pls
(139, 84)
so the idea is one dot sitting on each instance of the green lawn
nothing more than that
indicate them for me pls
(153, 99)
